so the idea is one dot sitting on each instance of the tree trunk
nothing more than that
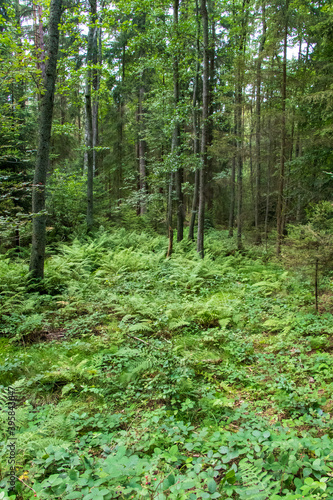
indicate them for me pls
(95, 86)
(268, 184)
(195, 131)
(45, 125)
(232, 198)
(194, 205)
(176, 133)
(204, 136)
(142, 157)
(257, 220)
(89, 118)
(280, 205)
(239, 139)
(239, 123)
(209, 170)
(37, 11)
(121, 128)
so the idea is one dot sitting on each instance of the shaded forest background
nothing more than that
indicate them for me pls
(163, 109)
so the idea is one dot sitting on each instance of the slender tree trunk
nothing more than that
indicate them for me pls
(194, 205)
(195, 131)
(95, 86)
(251, 153)
(176, 134)
(239, 135)
(142, 155)
(209, 191)
(280, 205)
(258, 129)
(121, 128)
(233, 177)
(169, 214)
(45, 125)
(89, 118)
(239, 122)
(232, 197)
(204, 136)
(268, 184)
(37, 11)
(170, 247)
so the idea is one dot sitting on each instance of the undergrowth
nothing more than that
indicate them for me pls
(139, 376)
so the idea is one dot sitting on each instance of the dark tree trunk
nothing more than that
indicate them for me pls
(268, 184)
(170, 191)
(120, 149)
(239, 123)
(280, 204)
(209, 170)
(257, 220)
(194, 205)
(45, 125)
(95, 86)
(195, 131)
(232, 195)
(170, 247)
(239, 139)
(204, 137)
(176, 133)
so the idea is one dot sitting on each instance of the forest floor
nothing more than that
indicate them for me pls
(138, 376)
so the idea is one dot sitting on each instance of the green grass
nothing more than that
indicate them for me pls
(145, 377)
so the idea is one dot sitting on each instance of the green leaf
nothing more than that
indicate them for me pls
(188, 484)
(211, 484)
(169, 481)
(230, 476)
(316, 464)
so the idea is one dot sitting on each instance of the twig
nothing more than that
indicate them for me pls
(137, 338)
(25, 484)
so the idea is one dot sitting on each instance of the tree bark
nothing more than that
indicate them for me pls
(209, 190)
(142, 155)
(239, 139)
(45, 125)
(195, 131)
(204, 136)
(232, 197)
(268, 183)
(37, 11)
(95, 86)
(257, 220)
(89, 117)
(280, 204)
(239, 123)
(176, 133)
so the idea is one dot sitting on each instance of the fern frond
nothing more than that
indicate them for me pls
(257, 484)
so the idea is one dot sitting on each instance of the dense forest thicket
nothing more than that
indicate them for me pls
(166, 244)
(213, 111)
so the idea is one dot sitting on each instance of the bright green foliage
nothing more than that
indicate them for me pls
(172, 378)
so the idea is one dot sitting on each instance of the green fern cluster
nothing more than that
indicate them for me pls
(257, 484)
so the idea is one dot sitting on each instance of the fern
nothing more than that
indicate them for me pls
(143, 326)
(257, 483)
